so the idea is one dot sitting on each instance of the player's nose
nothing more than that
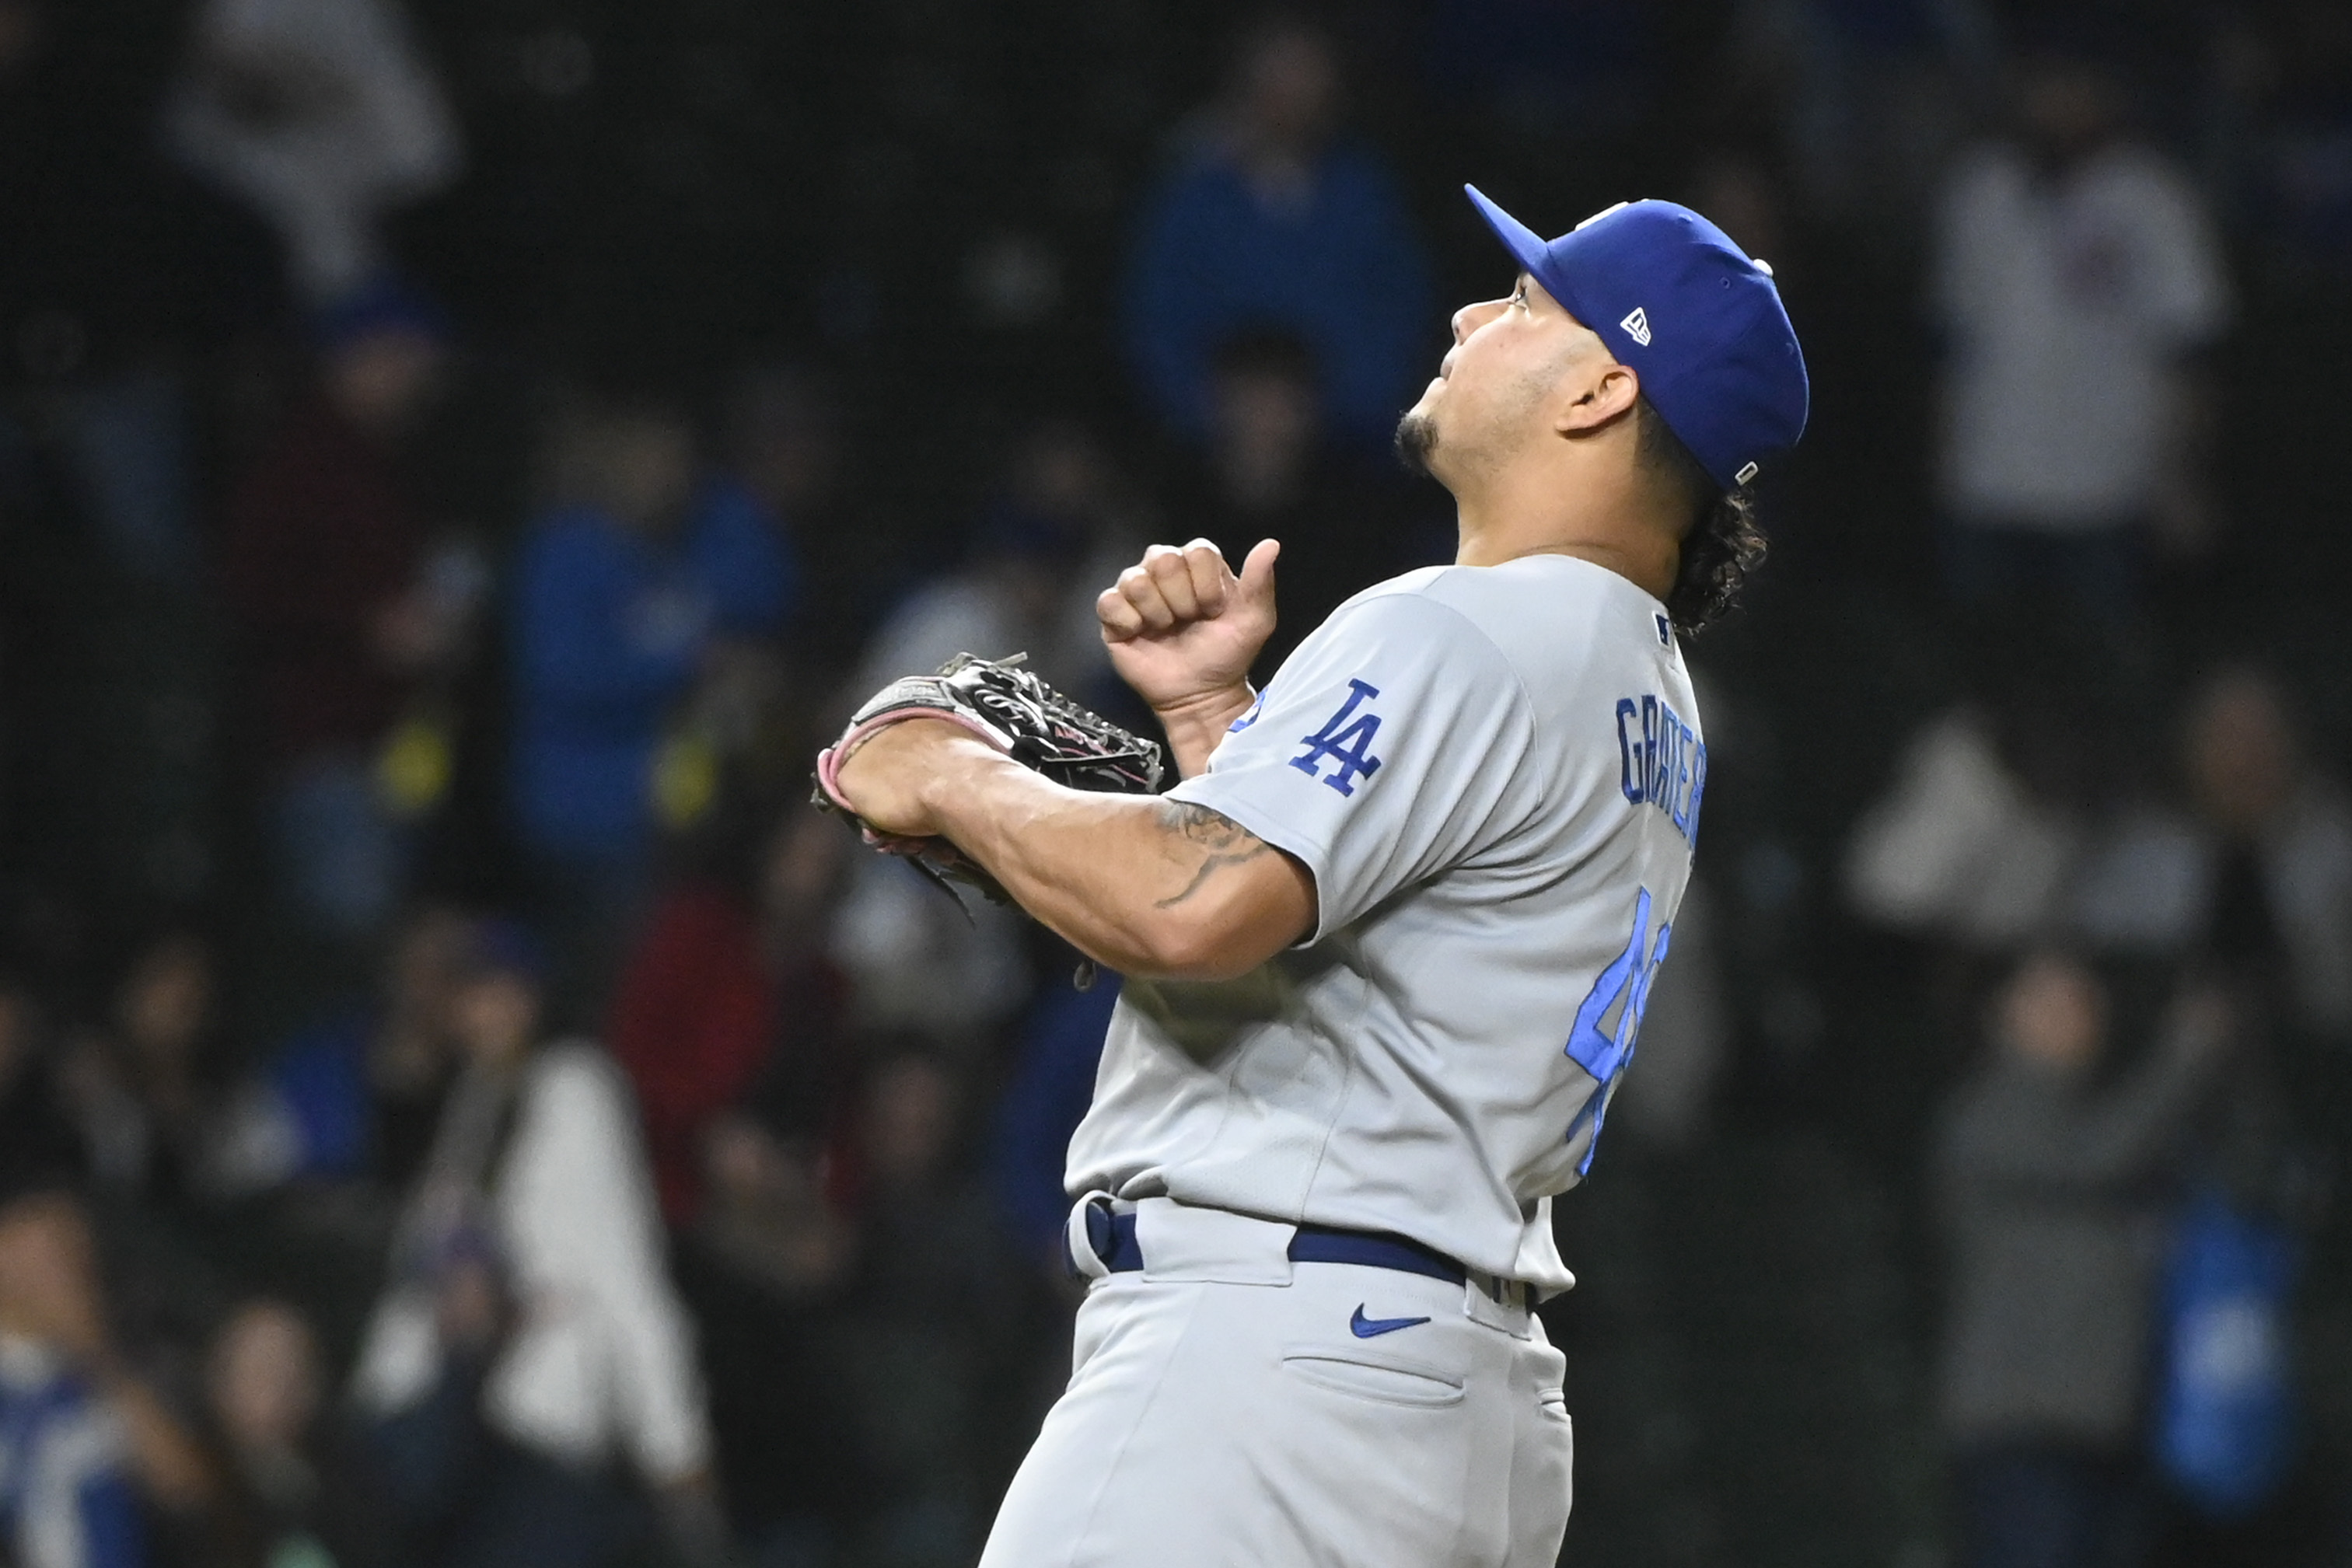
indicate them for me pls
(1472, 316)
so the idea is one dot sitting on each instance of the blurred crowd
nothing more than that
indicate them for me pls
(458, 1104)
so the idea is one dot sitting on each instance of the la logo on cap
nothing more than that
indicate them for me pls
(1637, 325)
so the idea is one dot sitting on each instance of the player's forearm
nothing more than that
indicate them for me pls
(1194, 727)
(1139, 885)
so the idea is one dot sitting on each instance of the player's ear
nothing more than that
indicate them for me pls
(1595, 395)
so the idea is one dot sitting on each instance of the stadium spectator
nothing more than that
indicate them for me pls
(1998, 830)
(627, 591)
(141, 1083)
(727, 997)
(785, 447)
(693, 1021)
(2075, 279)
(1269, 217)
(90, 1453)
(1973, 842)
(322, 116)
(2278, 835)
(932, 1333)
(326, 571)
(766, 1268)
(528, 1337)
(768, 1216)
(1271, 470)
(294, 1492)
(355, 1097)
(74, 1505)
(2050, 1173)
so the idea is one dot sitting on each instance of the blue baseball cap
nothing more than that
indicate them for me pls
(1698, 321)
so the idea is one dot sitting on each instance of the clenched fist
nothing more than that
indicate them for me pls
(1183, 627)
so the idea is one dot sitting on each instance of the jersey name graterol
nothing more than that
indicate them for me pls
(1661, 760)
(1495, 776)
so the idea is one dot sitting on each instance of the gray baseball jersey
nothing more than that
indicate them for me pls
(1495, 776)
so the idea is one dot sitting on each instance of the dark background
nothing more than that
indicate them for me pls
(655, 199)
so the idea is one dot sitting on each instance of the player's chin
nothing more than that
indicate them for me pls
(1416, 438)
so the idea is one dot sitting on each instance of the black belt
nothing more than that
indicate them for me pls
(1112, 1236)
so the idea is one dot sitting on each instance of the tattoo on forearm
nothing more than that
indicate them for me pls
(1220, 840)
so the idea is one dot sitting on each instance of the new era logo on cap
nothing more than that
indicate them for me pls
(1637, 325)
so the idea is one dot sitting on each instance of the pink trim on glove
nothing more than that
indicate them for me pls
(829, 761)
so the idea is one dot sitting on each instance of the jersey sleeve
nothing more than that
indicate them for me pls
(1395, 743)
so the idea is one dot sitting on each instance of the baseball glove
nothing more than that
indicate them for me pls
(1016, 713)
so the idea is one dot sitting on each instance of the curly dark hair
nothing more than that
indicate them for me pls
(1722, 547)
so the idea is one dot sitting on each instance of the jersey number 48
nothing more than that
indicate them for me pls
(1610, 1020)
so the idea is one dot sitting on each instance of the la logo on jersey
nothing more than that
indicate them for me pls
(1637, 325)
(1345, 738)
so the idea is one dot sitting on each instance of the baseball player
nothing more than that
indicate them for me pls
(1388, 943)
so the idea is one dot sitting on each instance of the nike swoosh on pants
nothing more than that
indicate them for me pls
(1371, 1328)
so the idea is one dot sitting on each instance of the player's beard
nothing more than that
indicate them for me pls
(1416, 442)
